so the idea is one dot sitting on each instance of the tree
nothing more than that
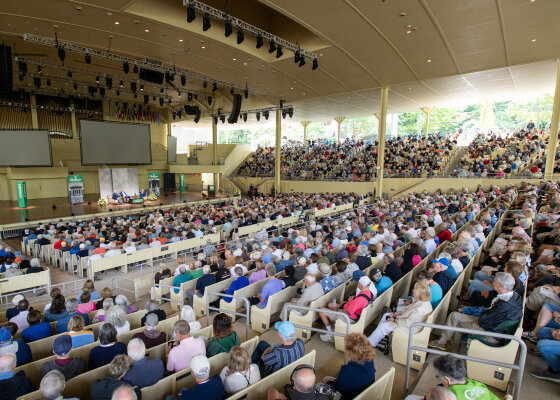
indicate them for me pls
(409, 123)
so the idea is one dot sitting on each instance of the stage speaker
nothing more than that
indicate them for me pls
(6, 73)
(149, 75)
(236, 109)
(169, 181)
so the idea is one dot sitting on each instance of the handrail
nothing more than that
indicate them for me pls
(519, 367)
(170, 287)
(345, 317)
(135, 291)
(246, 314)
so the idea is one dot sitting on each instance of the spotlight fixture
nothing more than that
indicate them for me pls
(118, 92)
(48, 82)
(272, 47)
(125, 67)
(146, 99)
(121, 84)
(178, 93)
(97, 80)
(37, 82)
(189, 96)
(102, 92)
(133, 87)
(258, 116)
(209, 99)
(153, 98)
(315, 64)
(228, 28)
(39, 69)
(223, 118)
(61, 54)
(205, 84)
(214, 87)
(161, 101)
(297, 56)
(205, 22)
(22, 68)
(183, 80)
(279, 51)
(246, 91)
(302, 61)
(87, 58)
(191, 15)
(291, 112)
(232, 91)
(266, 115)
(109, 82)
(135, 96)
(240, 36)
(260, 41)
(245, 117)
(69, 74)
(135, 68)
(142, 88)
(161, 90)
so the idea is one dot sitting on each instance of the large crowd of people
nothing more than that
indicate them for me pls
(352, 160)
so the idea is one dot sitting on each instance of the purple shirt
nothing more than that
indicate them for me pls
(269, 288)
(257, 276)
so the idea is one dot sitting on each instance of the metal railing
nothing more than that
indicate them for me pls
(115, 287)
(518, 367)
(345, 318)
(246, 314)
(169, 299)
(67, 289)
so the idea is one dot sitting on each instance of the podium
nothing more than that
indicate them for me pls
(211, 191)
(75, 189)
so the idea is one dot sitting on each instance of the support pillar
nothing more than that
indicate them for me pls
(215, 152)
(74, 125)
(553, 138)
(381, 140)
(339, 122)
(484, 115)
(34, 118)
(427, 111)
(277, 152)
(304, 124)
(106, 107)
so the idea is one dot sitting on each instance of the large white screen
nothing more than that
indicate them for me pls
(114, 143)
(25, 149)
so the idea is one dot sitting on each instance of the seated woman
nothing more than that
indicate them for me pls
(108, 348)
(239, 372)
(359, 372)
(37, 329)
(101, 314)
(418, 311)
(117, 317)
(224, 337)
(89, 287)
(86, 305)
(163, 273)
(57, 309)
(80, 337)
(105, 294)
(123, 302)
(259, 274)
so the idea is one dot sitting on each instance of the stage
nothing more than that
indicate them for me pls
(42, 208)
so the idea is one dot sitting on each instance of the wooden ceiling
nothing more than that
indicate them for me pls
(458, 51)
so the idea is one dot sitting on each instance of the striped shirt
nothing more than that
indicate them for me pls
(283, 355)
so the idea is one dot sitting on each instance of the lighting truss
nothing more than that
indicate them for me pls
(258, 110)
(146, 63)
(247, 28)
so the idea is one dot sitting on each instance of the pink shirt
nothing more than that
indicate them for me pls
(180, 356)
(85, 308)
(257, 276)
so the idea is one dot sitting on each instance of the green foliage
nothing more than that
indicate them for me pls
(410, 123)
(358, 128)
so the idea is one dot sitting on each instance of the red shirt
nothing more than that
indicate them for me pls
(357, 304)
(444, 235)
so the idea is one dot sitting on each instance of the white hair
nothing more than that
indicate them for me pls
(124, 392)
(35, 262)
(52, 385)
(136, 349)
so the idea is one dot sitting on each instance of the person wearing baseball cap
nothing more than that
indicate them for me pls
(382, 282)
(12, 312)
(353, 307)
(441, 274)
(207, 388)
(68, 366)
(271, 358)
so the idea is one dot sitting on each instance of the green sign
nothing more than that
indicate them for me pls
(22, 195)
(182, 181)
(153, 176)
(75, 179)
(139, 200)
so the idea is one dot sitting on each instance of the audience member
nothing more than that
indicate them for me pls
(52, 385)
(180, 352)
(80, 336)
(239, 371)
(223, 338)
(108, 347)
(143, 372)
(68, 366)
(37, 329)
(13, 385)
(206, 387)
(151, 336)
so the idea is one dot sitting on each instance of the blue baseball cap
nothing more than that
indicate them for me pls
(286, 329)
(5, 336)
(441, 260)
(357, 275)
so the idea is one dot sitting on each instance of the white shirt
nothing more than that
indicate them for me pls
(232, 269)
(93, 257)
(312, 268)
(437, 219)
(130, 249)
(112, 253)
(430, 245)
(237, 381)
(457, 266)
(124, 328)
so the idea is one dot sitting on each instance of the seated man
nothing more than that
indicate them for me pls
(68, 366)
(271, 358)
(272, 286)
(313, 290)
(183, 276)
(13, 385)
(452, 374)
(180, 352)
(116, 198)
(239, 283)
(142, 193)
(11, 344)
(52, 385)
(353, 307)
(207, 388)
(302, 387)
(151, 336)
(441, 275)
(205, 280)
(382, 282)
(72, 309)
(507, 306)
(123, 195)
(153, 308)
(37, 329)
(143, 372)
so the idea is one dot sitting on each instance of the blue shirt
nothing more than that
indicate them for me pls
(282, 266)
(36, 332)
(212, 389)
(239, 283)
(205, 280)
(353, 378)
(267, 258)
(383, 284)
(62, 324)
(23, 354)
(328, 283)
(81, 338)
(269, 288)
(452, 272)
(437, 295)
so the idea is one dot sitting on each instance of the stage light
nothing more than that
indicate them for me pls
(153, 98)
(122, 84)
(161, 90)
(161, 101)
(191, 15)
(245, 117)
(279, 52)
(240, 36)
(291, 112)
(214, 87)
(282, 103)
(228, 28)
(48, 82)
(125, 67)
(297, 55)
(183, 80)
(246, 91)
(37, 82)
(22, 68)
(284, 114)
(97, 80)
(258, 116)
(272, 47)
(75, 86)
(109, 82)
(205, 84)
(260, 41)
(61, 54)
(133, 87)
(209, 99)
(223, 118)
(102, 92)
(39, 69)
(302, 61)
(69, 74)
(146, 99)
(135, 96)
(315, 64)
(178, 93)
(189, 96)
(118, 92)
(266, 115)
(232, 91)
(142, 88)
(205, 22)
(135, 68)
(87, 58)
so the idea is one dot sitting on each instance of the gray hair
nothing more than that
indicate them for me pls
(152, 320)
(270, 270)
(116, 316)
(441, 393)
(182, 327)
(136, 349)
(122, 301)
(124, 392)
(108, 303)
(206, 270)
(151, 305)
(362, 250)
(72, 305)
(506, 280)
(238, 271)
(182, 269)
(35, 262)
(52, 385)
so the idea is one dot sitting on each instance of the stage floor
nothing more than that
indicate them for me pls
(42, 208)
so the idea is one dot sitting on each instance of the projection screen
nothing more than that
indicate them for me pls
(114, 143)
(25, 149)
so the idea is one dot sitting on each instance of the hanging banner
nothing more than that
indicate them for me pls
(75, 189)
(153, 182)
(22, 194)
(182, 183)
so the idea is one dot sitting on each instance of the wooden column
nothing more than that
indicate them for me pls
(427, 111)
(304, 124)
(553, 138)
(277, 152)
(339, 122)
(381, 139)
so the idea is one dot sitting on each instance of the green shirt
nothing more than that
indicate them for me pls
(197, 273)
(472, 390)
(180, 279)
(222, 345)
